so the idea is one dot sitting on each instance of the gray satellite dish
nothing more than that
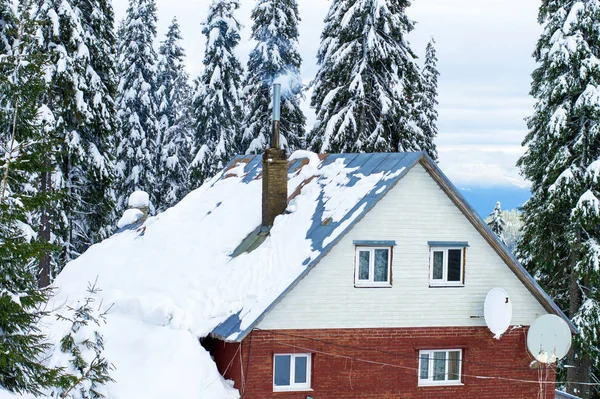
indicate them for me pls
(549, 339)
(497, 311)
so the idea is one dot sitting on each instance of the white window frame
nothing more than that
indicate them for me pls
(429, 381)
(371, 283)
(444, 281)
(293, 386)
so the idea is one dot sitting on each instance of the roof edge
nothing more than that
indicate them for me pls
(457, 198)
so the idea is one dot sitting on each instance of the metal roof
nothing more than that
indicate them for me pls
(396, 166)
(564, 395)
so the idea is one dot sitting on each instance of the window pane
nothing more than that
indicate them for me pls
(453, 365)
(454, 256)
(381, 264)
(300, 370)
(282, 370)
(363, 265)
(424, 372)
(438, 265)
(439, 366)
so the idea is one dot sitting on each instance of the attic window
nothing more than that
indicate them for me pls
(373, 264)
(447, 264)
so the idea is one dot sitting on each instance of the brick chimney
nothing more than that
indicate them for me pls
(275, 168)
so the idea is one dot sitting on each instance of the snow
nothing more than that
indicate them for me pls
(130, 216)
(573, 17)
(563, 180)
(173, 280)
(589, 204)
(139, 199)
(594, 169)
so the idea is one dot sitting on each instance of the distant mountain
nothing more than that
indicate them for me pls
(483, 199)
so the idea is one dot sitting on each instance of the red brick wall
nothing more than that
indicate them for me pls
(345, 363)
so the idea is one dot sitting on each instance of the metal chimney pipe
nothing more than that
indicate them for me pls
(276, 115)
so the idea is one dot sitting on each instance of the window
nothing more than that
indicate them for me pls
(372, 267)
(446, 268)
(440, 367)
(291, 372)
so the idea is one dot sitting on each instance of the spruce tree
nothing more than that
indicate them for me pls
(8, 27)
(368, 82)
(137, 138)
(497, 223)
(76, 34)
(275, 28)
(174, 99)
(427, 114)
(561, 236)
(95, 214)
(217, 107)
(23, 149)
(87, 370)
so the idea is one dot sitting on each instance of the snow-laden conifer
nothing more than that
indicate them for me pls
(174, 99)
(497, 223)
(94, 212)
(137, 149)
(368, 82)
(217, 106)
(77, 36)
(60, 37)
(427, 114)
(275, 28)
(561, 240)
(8, 26)
(23, 150)
(86, 370)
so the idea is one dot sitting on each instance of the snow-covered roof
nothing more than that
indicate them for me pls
(185, 273)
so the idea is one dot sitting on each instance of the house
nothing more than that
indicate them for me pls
(318, 276)
(392, 306)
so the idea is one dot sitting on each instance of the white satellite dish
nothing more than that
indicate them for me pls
(497, 311)
(549, 339)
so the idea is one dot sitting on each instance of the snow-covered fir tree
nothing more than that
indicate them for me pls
(86, 369)
(79, 106)
(218, 110)
(137, 109)
(368, 82)
(95, 214)
(513, 228)
(8, 26)
(561, 236)
(427, 114)
(23, 149)
(275, 28)
(497, 223)
(174, 99)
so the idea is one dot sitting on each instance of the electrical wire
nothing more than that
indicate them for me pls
(400, 354)
(383, 364)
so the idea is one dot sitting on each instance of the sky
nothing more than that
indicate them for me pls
(484, 50)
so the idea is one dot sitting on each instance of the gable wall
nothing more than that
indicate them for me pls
(412, 213)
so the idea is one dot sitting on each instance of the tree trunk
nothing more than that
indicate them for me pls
(45, 233)
(580, 364)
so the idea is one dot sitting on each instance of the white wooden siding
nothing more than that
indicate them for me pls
(414, 212)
